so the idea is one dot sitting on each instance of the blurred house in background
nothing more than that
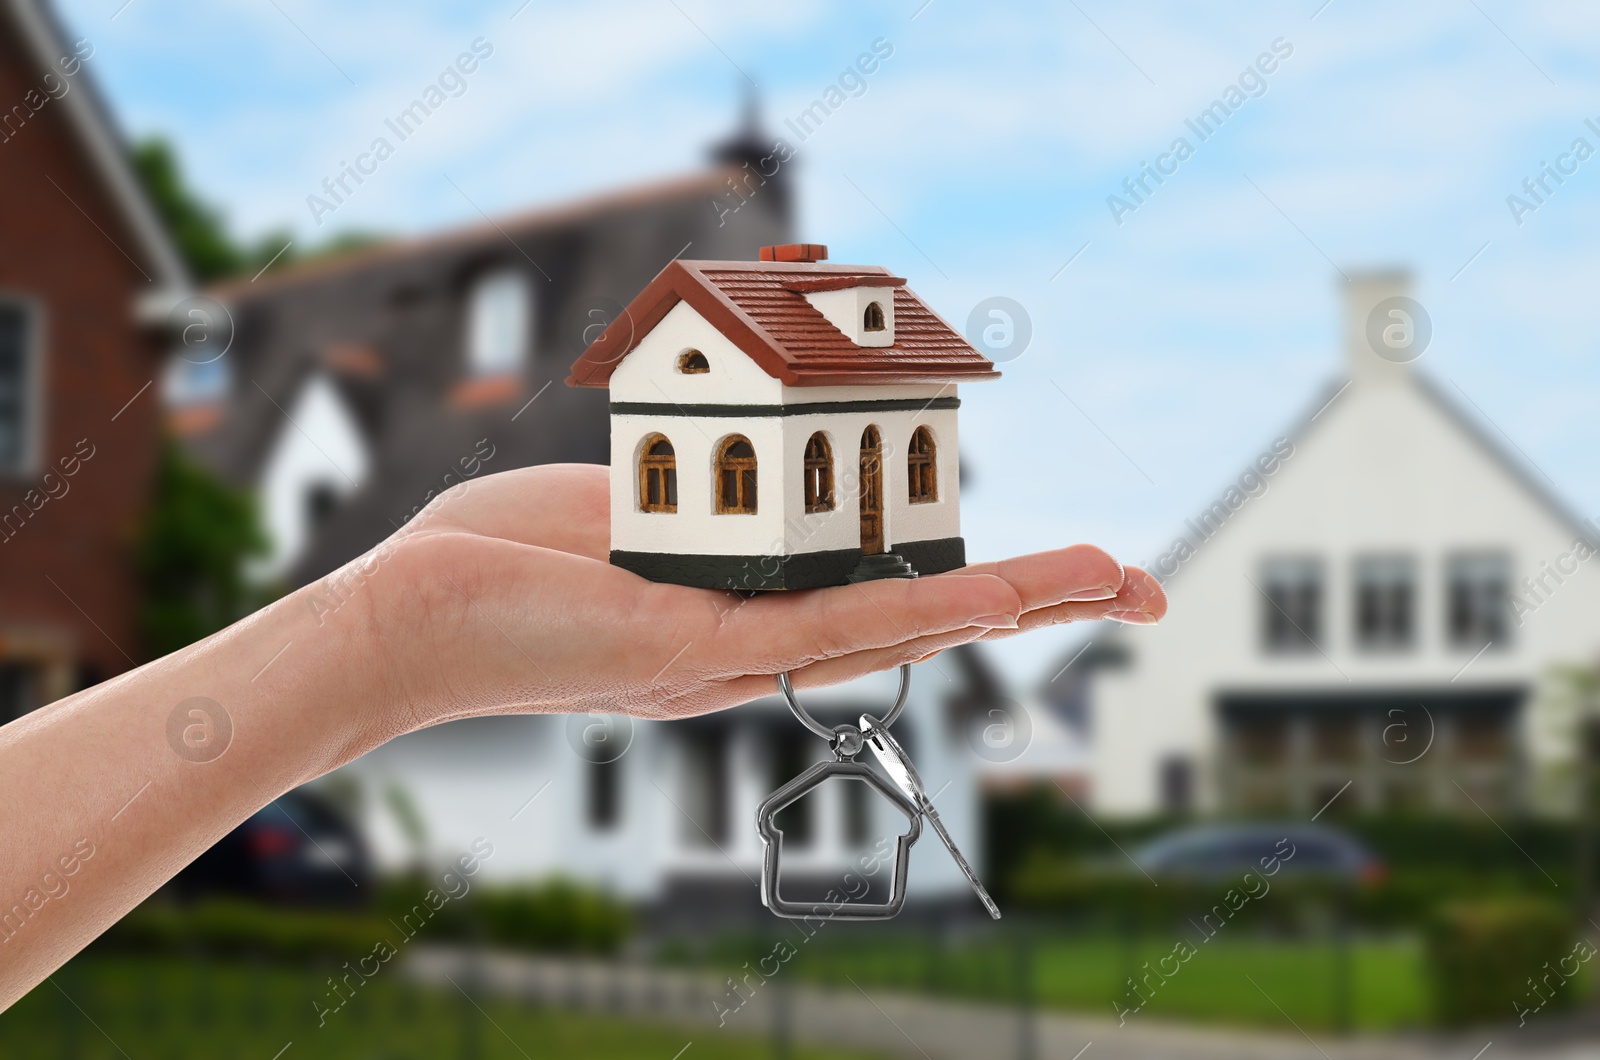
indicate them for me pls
(359, 387)
(86, 279)
(663, 814)
(1381, 604)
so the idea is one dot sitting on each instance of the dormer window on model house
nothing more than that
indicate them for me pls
(782, 424)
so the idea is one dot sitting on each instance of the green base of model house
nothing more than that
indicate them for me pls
(805, 570)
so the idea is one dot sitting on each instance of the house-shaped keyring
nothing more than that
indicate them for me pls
(772, 845)
(782, 424)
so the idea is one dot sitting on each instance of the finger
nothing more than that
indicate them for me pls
(827, 672)
(785, 631)
(565, 507)
(862, 663)
(1141, 601)
(1078, 572)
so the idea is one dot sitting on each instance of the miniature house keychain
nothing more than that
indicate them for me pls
(811, 409)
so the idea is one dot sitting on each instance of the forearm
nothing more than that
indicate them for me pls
(107, 793)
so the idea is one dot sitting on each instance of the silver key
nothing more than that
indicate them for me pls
(898, 765)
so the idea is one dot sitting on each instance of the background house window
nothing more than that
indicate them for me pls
(497, 323)
(693, 362)
(736, 476)
(1292, 611)
(1385, 602)
(322, 500)
(658, 476)
(818, 474)
(797, 821)
(191, 381)
(16, 371)
(604, 795)
(19, 690)
(872, 319)
(922, 467)
(1177, 784)
(857, 814)
(1477, 599)
(705, 786)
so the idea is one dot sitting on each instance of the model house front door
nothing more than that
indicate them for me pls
(871, 491)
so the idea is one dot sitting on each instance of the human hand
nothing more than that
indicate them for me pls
(498, 598)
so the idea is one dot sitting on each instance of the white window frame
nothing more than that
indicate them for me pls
(1299, 564)
(1383, 571)
(499, 322)
(1476, 561)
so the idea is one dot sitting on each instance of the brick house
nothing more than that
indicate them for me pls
(87, 274)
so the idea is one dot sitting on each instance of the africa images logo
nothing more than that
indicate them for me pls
(199, 729)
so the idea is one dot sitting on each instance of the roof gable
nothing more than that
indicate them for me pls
(89, 119)
(1470, 441)
(761, 307)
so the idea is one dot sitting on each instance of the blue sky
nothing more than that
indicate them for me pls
(976, 163)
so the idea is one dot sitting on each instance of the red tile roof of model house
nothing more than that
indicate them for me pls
(762, 309)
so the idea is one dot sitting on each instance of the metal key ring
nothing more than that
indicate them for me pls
(787, 688)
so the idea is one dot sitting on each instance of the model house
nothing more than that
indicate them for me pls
(781, 424)
(1383, 629)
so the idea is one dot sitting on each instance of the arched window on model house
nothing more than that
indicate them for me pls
(658, 475)
(736, 476)
(818, 474)
(922, 467)
(872, 319)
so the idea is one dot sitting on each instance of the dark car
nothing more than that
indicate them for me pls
(1227, 850)
(297, 850)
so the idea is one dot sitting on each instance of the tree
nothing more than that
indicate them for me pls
(196, 227)
(194, 543)
(202, 235)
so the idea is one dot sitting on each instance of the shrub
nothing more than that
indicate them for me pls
(555, 915)
(558, 915)
(237, 928)
(1484, 955)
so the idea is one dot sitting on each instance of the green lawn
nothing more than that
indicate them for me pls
(1383, 981)
(172, 1009)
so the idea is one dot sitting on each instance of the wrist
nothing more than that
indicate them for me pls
(372, 633)
(303, 683)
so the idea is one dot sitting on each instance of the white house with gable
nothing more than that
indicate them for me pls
(781, 424)
(1379, 629)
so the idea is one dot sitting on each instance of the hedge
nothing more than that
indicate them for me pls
(1510, 958)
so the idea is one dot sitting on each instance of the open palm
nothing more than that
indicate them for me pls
(499, 598)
